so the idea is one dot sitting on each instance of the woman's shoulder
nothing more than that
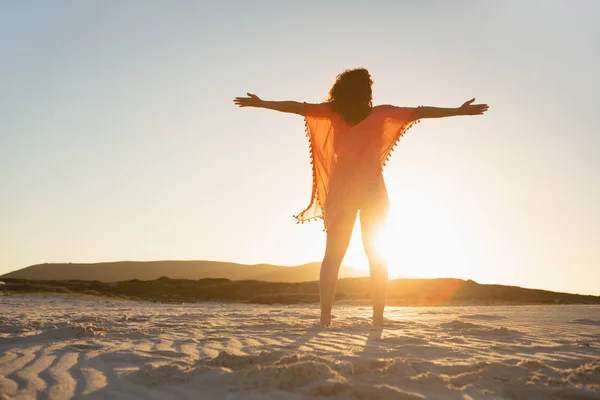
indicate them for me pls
(385, 107)
(318, 109)
(395, 112)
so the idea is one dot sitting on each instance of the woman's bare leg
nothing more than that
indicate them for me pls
(338, 238)
(379, 274)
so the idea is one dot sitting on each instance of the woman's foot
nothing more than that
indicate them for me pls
(325, 320)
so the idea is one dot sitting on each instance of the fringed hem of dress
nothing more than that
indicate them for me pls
(314, 197)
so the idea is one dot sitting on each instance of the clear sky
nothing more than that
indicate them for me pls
(119, 139)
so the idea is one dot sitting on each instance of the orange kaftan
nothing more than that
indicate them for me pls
(347, 161)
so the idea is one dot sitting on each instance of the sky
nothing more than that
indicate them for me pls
(119, 139)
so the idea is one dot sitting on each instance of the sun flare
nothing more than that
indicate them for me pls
(422, 238)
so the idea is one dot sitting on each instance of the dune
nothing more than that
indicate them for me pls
(149, 270)
(72, 347)
(407, 292)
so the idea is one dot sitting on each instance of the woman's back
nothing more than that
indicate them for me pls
(347, 158)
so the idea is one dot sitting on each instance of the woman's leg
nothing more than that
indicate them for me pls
(338, 238)
(370, 225)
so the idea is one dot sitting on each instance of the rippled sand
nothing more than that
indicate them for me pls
(61, 347)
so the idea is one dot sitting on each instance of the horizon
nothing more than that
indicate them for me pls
(365, 273)
(118, 139)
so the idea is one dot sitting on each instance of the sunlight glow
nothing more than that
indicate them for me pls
(423, 238)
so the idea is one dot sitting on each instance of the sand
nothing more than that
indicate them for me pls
(64, 347)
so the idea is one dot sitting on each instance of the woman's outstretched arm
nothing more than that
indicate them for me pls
(253, 100)
(466, 109)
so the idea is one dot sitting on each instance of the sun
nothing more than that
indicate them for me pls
(423, 237)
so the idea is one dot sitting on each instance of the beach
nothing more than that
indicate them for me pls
(56, 346)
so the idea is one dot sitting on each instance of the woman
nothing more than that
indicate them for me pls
(350, 142)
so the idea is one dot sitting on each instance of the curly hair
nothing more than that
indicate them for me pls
(351, 95)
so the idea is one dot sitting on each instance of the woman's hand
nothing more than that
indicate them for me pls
(251, 101)
(472, 109)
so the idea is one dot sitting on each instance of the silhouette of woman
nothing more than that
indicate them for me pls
(350, 142)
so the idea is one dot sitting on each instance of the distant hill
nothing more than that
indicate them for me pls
(402, 292)
(150, 270)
